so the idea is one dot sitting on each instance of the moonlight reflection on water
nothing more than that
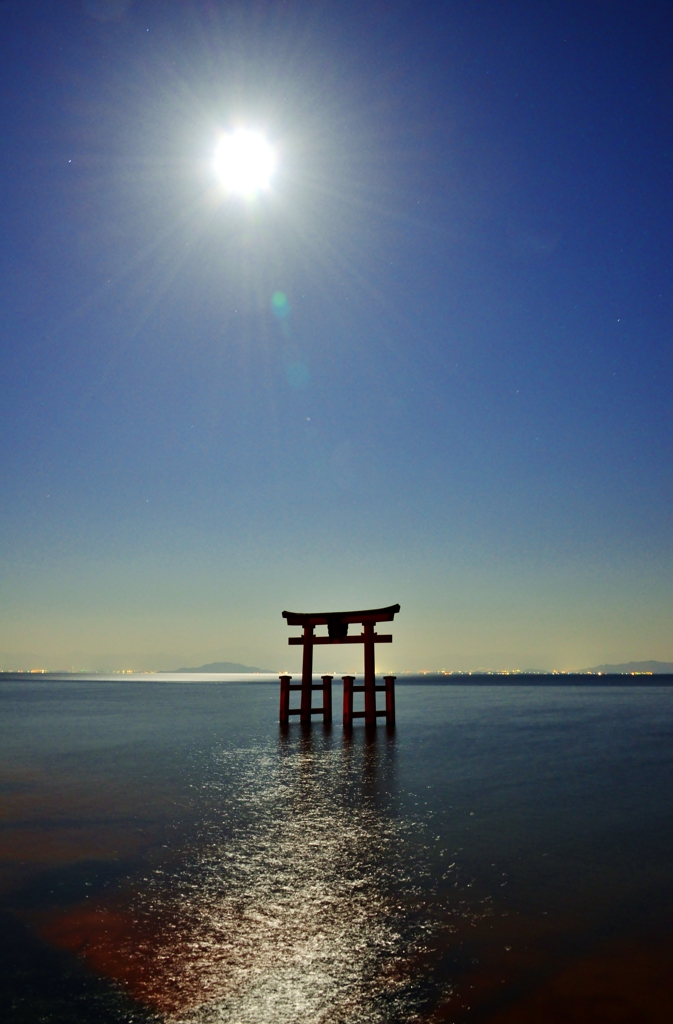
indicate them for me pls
(299, 901)
(292, 918)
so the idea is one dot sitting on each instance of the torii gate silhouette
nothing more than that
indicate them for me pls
(337, 633)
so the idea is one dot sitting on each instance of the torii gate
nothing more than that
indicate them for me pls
(337, 633)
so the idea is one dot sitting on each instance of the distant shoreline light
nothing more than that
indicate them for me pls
(429, 674)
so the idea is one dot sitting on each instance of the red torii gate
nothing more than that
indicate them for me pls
(337, 633)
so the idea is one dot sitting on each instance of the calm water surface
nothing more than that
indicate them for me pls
(168, 854)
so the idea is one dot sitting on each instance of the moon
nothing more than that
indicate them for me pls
(244, 162)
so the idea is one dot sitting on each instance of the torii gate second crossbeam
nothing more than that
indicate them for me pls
(337, 633)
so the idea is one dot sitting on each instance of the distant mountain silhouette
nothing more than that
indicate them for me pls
(656, 667)
(222, 666)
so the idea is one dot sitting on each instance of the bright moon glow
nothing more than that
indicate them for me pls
(244, 162)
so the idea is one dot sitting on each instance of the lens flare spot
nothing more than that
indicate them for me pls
(281, 307)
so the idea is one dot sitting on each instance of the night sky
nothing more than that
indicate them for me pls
(432, 364)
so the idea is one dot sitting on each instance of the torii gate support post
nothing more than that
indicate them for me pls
(390, 699)
(370, 678)
(327, 699)
(348, 700)
(286, 710)
(307, 676)
(285, 699)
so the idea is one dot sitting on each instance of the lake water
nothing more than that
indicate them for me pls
(168, 854)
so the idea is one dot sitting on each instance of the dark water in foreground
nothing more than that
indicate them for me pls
(166, 854)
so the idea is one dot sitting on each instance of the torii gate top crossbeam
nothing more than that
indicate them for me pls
(328, 618)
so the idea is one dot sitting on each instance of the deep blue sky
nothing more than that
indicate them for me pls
(468, 407)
